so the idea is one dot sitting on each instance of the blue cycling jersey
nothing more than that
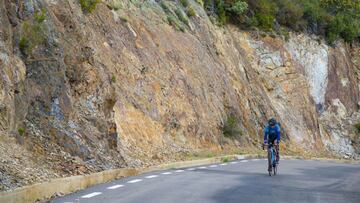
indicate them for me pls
(272, 133)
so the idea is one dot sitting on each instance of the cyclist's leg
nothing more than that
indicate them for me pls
(269, 159)
(277, 148)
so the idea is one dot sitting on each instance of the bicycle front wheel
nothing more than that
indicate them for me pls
(275, 169)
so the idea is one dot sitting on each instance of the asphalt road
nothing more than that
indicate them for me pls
(239, 181)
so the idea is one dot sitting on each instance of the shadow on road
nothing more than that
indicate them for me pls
(305, 184)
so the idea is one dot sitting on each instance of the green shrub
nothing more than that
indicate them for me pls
(265, 13)
(357, 127)
(238, 8)
(24, 45)
(124, 19)
(32, 34)
(210, 154)
(21, 131)
(285, 34)
(201, 2)
(114, 5)
(113, 79)
(265, 21)
(185, 3)
(173, 22)
(290, 14)
(225, 159)
(89, 5)
(191, 11)
(165, 7)
(40, 16)
(230, 129)
(182, 16)
(221, 12)
(333, 19)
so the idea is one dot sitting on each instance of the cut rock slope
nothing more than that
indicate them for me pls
(84, 92)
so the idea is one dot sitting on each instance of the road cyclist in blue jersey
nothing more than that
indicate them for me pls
(272, 137)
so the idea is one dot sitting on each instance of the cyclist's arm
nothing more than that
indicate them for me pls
(278, 135)
(266, 135)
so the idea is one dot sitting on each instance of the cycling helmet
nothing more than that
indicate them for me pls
(272, 122)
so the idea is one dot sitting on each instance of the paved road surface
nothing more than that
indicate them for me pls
(239, 181)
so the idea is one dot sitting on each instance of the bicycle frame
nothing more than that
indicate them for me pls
(272, 159)
(273, 155)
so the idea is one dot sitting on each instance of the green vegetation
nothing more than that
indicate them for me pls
(201, 2)
(332, 19)
(124, 19)
(176, 18)
(182, 16)
(40, 17)
(238, 8)
(230, 129)
(225, 159)
(89, 5)
(165, 7)
(191, 11)
(185, 3)
(113, 79)
(21, 131)
(114, 5)
(32, 33)
(357, 127)
(24, 45)
(174, 22)
(210, 154)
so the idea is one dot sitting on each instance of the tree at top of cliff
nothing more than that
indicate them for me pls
(332, 19)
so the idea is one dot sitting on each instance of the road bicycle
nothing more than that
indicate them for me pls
(272, 157)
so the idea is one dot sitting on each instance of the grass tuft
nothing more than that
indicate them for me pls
(88, 5)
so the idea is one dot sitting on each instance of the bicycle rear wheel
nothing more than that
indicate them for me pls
(275, 169)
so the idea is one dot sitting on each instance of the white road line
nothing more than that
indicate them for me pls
(223, 164)
(244, 161)
(213, 166)
(179, 171)
(190, 169)
(234, 162)
(167, 173)
(201, 167)
(91, 195)
(114, 187)
(255, 160)
(135, 181)
(152, 176)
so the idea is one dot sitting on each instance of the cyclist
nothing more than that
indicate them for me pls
(272, 135)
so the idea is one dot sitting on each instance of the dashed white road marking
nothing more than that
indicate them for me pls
(201, 167)
(244, 161)
(234, 162)
(190, 169)
(135, 181)
(114, 187)
(167, 173)
(213, 166)
(223, 164)
(91, 195)
(152, 176)
(255, 159)
(179, 171)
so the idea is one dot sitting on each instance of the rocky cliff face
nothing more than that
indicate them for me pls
(83, 92)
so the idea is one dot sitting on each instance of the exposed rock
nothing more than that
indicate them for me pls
(123, 88)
